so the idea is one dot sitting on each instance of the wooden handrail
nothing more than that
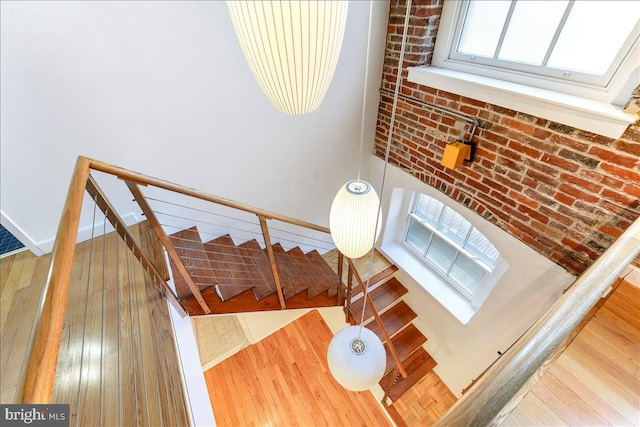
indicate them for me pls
(493, 392)
(157, 228)
(148, 180)
(132, 243)
(37, 381)
(394, 353)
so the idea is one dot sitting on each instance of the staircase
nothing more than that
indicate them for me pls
(238, 278)
(386, 294)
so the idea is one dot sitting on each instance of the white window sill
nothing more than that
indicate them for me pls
(447, 297)
(586, 114)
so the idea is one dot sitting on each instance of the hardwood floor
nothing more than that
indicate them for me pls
(117, 364)
(596, 380)
(22, 279)
(284, 380)
(425, 402)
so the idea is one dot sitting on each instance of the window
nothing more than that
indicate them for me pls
(569, 61)
(450, 246)
(577, 41)
(581, 42)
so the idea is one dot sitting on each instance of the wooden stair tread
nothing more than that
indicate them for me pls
(290, 280)
(417, 365)
(394, 319)
(376, 279)
(253, 249)
(233, 275)
(382, 297)
(246, 303)
(316, 279)
(192, 253)
(330, 275)
(405, 342)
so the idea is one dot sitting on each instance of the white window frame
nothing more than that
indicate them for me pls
(460, 308)
(585, 106)
(470, 297)
(574, 82)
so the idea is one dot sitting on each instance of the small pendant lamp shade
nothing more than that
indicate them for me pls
(356, 359)
(292, 48)
(353, 217)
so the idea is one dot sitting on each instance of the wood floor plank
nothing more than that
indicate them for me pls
(595, 381)
(289, 374)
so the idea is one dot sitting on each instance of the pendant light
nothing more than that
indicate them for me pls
(356, 356)
(292, 47)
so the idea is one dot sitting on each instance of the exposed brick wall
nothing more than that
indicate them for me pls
(565, 192)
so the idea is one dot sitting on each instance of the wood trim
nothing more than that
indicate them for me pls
(272, 260)
(392, 349)
(131, 242)
(37, 384)
(148, 180)
(155, 224)
(494, 391)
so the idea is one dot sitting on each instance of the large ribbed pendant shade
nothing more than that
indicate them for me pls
(292, 47)
(353, 218)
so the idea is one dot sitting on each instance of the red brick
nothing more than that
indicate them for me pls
(582, 183)
(561, 163)
(533, 214)
(477, 185)
(563, 219)
(613, 232)
(628, 201)
(502, 198)
(541, 133)
(508, 182)
(524, 200)
(542, 177)
(497, 138)
(620, 172)
(628, 147)
(510, 164)
(516, 124)
(569, 142)
(609, 156)
(577, 193)
(633, 190)
(529, 151)
(564, 199)
(486, 154)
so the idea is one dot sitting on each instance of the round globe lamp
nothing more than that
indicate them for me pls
(356, 358)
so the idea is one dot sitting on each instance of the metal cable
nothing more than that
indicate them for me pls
(131, 334)
(86, 306)
(386, 157)
(104, 252)
(144, 376)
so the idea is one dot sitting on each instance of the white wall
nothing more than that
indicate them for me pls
(524, 292)
(163, 88)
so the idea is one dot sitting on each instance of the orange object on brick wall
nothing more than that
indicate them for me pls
(454, 154)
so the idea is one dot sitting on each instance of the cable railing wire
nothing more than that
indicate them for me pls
(330, 242)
